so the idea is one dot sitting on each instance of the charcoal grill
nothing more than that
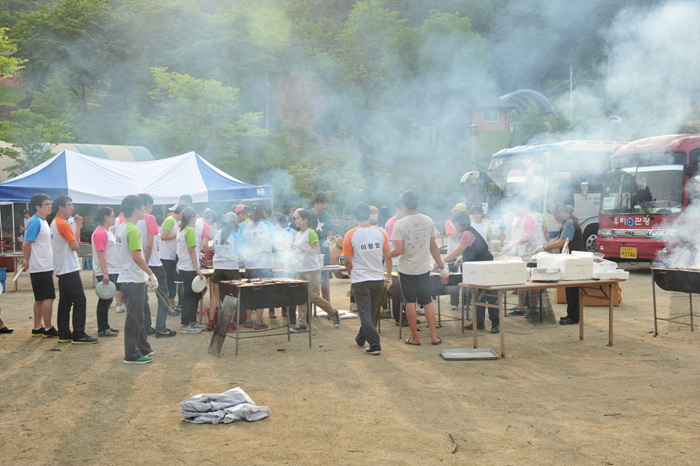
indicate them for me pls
(675, 279)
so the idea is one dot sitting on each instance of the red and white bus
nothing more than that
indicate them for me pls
(650, 183)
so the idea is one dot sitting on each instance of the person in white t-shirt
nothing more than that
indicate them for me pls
(228, 245)
(38, 259)
(168, 256)
(308, 267)
(66, 266)
(414, 240)
(134, 277)
(257, 251)
(364, 248)
(150, 240)
(105, 266)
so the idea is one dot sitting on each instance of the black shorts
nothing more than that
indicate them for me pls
(42, 285)
(258, 273)
(221, 275)
(415, 288)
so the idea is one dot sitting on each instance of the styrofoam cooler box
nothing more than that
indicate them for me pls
(494, 273)
(611, 274)
(571, 267)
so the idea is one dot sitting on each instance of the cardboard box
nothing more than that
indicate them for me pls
(593, 296)
(571, 267)
(494, 273)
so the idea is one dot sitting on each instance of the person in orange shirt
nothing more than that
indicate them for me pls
(364, 247)
(66, 267)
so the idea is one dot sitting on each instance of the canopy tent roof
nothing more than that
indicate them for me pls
(90, 180)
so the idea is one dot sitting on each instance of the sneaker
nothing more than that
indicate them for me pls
(115, 330)
(260, 326)
(420, 311)
(200, 326)
(140, 360)
(374, 352)
(190, 329)
(121, 309)
(336, 318)
(298, 329)
(84, 339)
(6, 330)
(38, 332)
(105, 333)
(51, 333)
(471, 327)
(211, 326)
(173, 311)
(150, 353)
(453, 308)
(66, 339)
(232, 327)
(166, 333)
(150, 331)
(248, 324)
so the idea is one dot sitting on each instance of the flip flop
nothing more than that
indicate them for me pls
(438, 342)
(409, 342)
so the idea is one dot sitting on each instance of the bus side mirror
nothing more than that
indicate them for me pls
(584, 189)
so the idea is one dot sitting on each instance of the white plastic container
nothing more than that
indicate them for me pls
(491, 273)
(571, 267)
(545, 275)
(611, 274)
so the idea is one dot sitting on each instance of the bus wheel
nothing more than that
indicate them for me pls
(590, 236)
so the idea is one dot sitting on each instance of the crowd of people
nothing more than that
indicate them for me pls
(138, 254)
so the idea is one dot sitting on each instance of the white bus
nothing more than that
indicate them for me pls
(570, 172)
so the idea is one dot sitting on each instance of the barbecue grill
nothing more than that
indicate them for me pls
(683, 280)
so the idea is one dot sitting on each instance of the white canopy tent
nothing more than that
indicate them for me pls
(91, 180)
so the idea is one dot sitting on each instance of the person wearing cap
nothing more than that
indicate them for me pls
(452, 241)
(168, 254)
(257, 252)
(414, 240)
(201, 228)
(243, 213)
(105, 266)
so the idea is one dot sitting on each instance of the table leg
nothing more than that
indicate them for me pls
(610, 315)
(501, 310)
(238, 318)
(653, 294)
(308, 312)
(580, 313)
(16, 270)
(473, 312)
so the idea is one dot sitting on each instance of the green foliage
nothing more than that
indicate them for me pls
(529, 125)
(32, 136)
(9, 63)
(196, 115)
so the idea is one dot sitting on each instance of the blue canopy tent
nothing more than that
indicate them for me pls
(90, 180)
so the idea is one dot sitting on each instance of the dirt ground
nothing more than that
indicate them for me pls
(553, 400)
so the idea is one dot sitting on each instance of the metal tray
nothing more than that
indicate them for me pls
(474, 354)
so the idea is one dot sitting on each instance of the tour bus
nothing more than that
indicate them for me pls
(650, 183)
(570, 172)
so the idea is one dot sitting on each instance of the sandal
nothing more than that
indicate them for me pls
(409, 342)
(438, 342)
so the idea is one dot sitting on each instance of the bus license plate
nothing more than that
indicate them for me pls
(628, 253)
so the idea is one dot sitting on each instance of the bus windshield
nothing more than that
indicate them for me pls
(641, 190)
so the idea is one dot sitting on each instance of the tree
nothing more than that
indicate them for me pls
(193, 114)
(79, 35)
(529, 125)
(32, 137)
(9, 63)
